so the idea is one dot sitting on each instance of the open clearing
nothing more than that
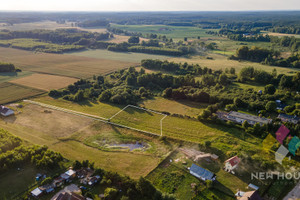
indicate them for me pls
(118, 56)
(45, 81)
(123, 38)
(11, 92)
(221, 62)
(67, 134)
(175, 32)
(64, 65)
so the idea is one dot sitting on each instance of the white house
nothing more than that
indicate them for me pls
(4, 111)
(231, 163)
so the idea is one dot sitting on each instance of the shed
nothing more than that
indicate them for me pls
(253, 186)
(202, 173)
(71, 173)
(36, 192)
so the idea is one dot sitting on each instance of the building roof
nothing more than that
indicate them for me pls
(69, 196)
(281, 133)
(4, 110)
(202, 172)
(253, 186)
(285, 117)
(70, 172)
(253, 195)
(249, 117)
(233, 161)
(36, 192)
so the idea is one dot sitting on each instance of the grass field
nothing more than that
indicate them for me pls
(11, 92)
(174, 178)
(13, 182)
(8, 76)
(67, 134)
(123, 38)
(64, 65)
(44, 81)
(118, 56)
(182, 107)
(175, 32)
(221, 62)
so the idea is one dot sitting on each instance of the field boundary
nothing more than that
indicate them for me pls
(145, 109)
(89, 116)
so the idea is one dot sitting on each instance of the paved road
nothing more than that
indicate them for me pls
(294, 194)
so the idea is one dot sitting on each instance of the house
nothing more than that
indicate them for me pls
(252, 186)
(93, 180)
(57, 182)
(231, 163)
(289, 118)
(239, 118)
(69, 196)
(280, 105)
(36, 192)
(4, 111)
(47, 188)
(252, 195)
(201, 173)
(71, 173)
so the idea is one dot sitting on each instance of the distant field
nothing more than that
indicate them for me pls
(123, 38)
(179, 107)
(281, 34)
(51, 25)
(45, 81)
(221, 62)
(8, 76)
(66, 134)
(175, 32)
(118, 56)
(11, 92)
(65, 65)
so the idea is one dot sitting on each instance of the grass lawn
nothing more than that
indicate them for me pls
(182, 107)
(8, 76)
(175, 32)
(13, 181)
(118, 56)
(58, 64)
(11, 92)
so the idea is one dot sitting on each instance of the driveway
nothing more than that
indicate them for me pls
(69, 188)
(294, 194)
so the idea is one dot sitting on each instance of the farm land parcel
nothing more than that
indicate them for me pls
(63, 65)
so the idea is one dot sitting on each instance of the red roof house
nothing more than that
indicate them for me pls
(281, 133)
(232, 163)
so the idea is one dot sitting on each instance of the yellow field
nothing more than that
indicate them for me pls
(123, 38)
(45, 81)
(58, 64)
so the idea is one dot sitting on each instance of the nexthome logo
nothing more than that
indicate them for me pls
(282, 152)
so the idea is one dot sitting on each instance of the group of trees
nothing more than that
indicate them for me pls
(93, 23)
(286, 29)
(14, 153)
(7, 67)
(255, 54)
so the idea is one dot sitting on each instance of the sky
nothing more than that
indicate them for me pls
(149, 5)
